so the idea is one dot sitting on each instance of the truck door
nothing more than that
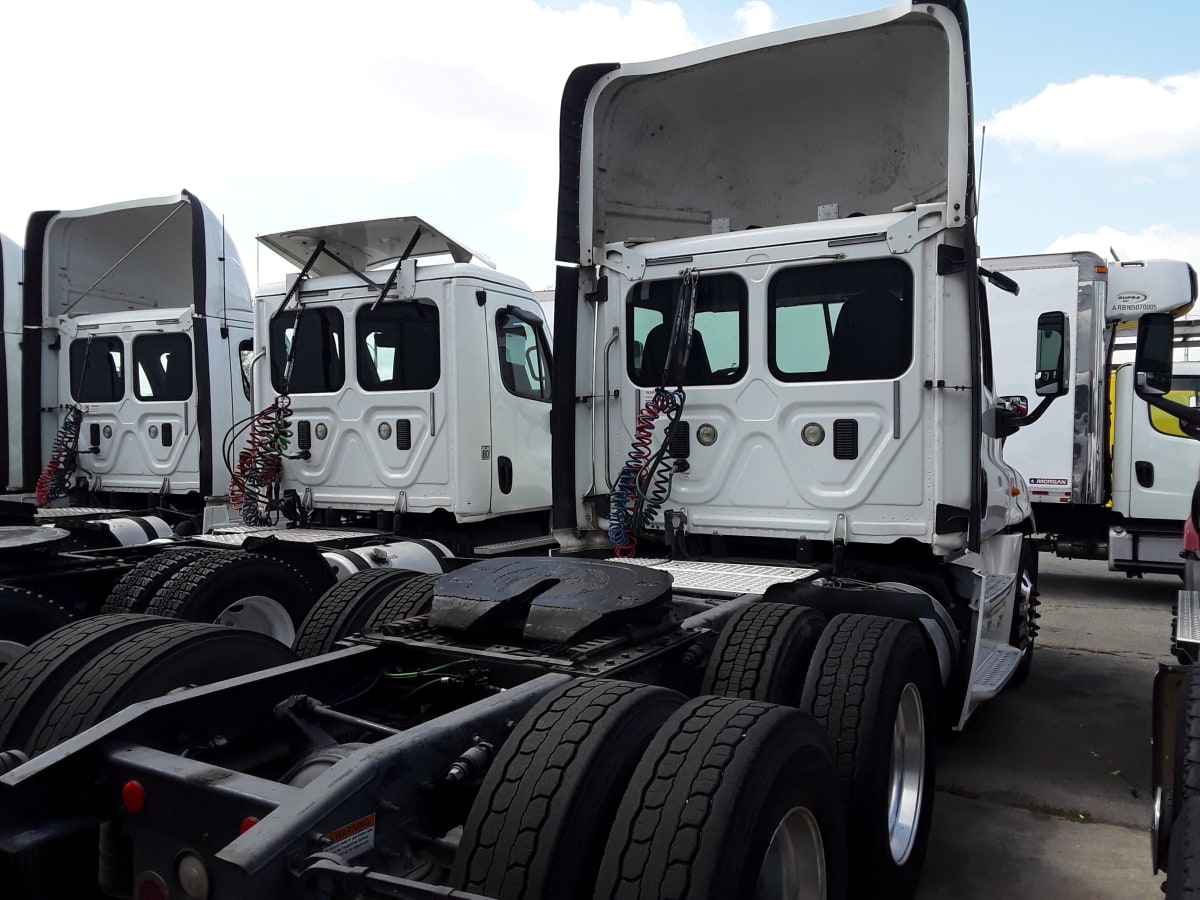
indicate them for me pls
(1158, 462)
(137, 390)
(520, 400)
(367, 402)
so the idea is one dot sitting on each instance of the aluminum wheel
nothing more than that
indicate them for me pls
(907, 782)
(260, 614)
(794, 865)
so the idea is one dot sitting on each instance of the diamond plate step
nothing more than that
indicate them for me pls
(723, 578)
(1187, 626)
(531, 543)
(993, 671)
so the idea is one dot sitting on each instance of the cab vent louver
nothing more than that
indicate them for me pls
(304, 435)
(403, 434)
(845, 439)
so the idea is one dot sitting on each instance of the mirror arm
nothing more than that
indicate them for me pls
(1035, 415)
(1188, 414)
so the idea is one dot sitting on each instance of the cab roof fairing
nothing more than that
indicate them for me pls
(368, 243)
(149, 253)
(678, 142)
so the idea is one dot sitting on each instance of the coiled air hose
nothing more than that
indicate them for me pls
(252, 481)
(55, 479)
(644, 484)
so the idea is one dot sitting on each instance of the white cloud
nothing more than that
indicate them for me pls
(1154, 242)
(755, 17)
(1115, 118)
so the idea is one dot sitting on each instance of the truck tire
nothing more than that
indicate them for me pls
(872, 688)
(25, 617)
(1023, 633)
(245, 590)
(134, 591)
(29, 685)
(145, 664)
(1183, 858)
(733, 798)
(412, 598)
(763, 653)
(344, 608)
(542, 815)
(149, 663)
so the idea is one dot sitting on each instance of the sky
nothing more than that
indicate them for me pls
(288, 115)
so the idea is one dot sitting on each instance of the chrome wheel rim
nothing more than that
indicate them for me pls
(261, 614)
(907, 781)
(794, 865)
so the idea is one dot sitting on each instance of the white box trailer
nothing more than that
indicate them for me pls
(1103, 478)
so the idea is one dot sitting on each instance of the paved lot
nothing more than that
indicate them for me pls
(1046, 792)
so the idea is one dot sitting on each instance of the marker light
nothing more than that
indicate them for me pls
(107, 432)
(385, 430)
(133, 797)
(812, 434)
(153, 430)
(706, 434)
(192, 876)
(322, 431)
(151, 888)
(247, 823)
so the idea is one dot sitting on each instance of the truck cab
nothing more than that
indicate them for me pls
(416, 378)
(1092, 464)
(138, 310)
(811, 324)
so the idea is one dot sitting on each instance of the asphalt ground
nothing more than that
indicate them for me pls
(1046, 792)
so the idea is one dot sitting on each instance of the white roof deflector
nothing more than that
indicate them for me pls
(366, 244)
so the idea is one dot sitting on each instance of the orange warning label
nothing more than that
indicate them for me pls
(353, 839)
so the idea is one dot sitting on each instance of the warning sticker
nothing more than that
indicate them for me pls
(353, 839)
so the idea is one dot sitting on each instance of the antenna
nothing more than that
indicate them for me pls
(979, 177)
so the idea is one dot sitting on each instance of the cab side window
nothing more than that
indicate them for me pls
(524, 355)
(162, 366)
(397, 346)
(97, 370)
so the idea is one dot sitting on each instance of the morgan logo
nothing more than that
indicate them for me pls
(1061, 481)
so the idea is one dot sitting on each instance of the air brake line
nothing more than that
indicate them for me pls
(55, 480)
(644, 484)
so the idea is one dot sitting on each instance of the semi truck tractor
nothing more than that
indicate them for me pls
(790, 549)
(122, 324)
(402, 419)
(1107, 479)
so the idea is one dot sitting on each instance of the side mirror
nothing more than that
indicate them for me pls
(1152, 364)
(1053, 355)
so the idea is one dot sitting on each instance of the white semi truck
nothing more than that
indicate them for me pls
(403, 417)
(1108, 479)
(122, 324)
(773, 400)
